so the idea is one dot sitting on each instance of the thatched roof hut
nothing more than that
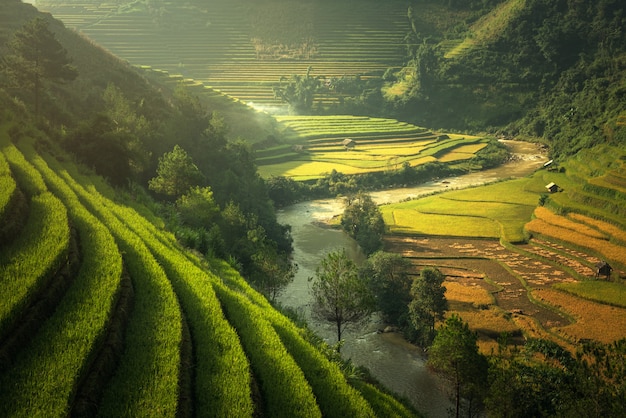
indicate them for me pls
(348, 143)
(603, 269)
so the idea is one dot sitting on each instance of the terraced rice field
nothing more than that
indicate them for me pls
(545, 287)
(315, 146)
(104, 314)
(216, 44)
(498, 288)
(495, 211)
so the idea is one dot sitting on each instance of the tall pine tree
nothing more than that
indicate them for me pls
(35, 57)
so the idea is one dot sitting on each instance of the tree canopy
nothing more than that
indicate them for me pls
(429, 303)
(454, 354)
(35, 57)
(339, 294)
(176, 174)
(388, 277)
(363, 221)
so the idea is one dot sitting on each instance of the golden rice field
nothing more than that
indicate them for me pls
(554, 226)
(594, 320)
(605, 227)
(563, 222)
(476, 306)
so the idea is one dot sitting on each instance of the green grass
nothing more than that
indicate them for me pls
(7, 185)
(41, 248)
(28, 264)
(601, 291)
(29, 179)
(222, 377)
(498, 210)
(146, 381)
(284, 387)
(43, 379)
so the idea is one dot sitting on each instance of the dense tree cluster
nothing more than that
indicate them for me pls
(363, 221)
(34, 59)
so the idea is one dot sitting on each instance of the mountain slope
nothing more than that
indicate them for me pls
(244, 355)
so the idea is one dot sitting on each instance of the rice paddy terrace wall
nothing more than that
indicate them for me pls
(241, 47)
(102, 313)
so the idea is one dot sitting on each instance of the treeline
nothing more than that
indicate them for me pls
(127, 130)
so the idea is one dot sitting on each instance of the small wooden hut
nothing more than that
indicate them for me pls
(348, 143)
(603, 269)
(552, 187)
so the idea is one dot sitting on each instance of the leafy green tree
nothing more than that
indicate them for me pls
(176, 173)
(429, 303)
(275, 270)
(298, 92)
(544, 379)
(135, 127)
(388, 277)
(363, 221)
(97, 144)
(454, 354)
(35, 57)
(340, 296)
(197, 207)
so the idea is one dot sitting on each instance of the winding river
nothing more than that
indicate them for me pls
(397, 364)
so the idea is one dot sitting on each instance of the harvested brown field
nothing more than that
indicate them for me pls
(497, 289)
(593, 321)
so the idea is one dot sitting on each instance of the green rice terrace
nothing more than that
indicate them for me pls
(230, 46)
(314, 146)
(115, 315)
(232, 57)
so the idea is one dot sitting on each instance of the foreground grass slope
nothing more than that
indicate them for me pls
(179, 335)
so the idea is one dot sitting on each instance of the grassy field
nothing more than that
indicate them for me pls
(498, 210)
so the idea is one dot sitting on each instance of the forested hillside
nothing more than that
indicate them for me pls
(548, 69)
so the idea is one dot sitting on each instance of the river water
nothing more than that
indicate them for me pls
(397, 364)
